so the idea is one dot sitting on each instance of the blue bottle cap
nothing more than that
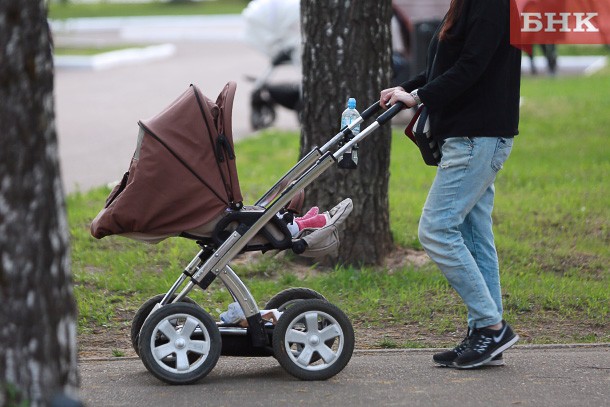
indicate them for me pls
(351, 103)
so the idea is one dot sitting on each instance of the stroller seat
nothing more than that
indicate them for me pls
(273, 235)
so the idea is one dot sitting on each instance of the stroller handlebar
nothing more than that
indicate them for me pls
(316, 153)
(370, 111)
(390, 113)
(384, 117)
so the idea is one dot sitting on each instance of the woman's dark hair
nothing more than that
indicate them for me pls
(453, 14)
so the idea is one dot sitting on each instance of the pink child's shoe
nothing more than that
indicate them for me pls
(310, 213)
(314, 222)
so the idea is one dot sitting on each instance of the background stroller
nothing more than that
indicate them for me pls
(273, 27)
(182, 181)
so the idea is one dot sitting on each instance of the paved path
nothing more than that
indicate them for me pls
(532, 377)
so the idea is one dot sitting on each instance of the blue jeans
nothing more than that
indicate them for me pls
(455, 228)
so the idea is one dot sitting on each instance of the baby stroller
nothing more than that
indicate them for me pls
(182, 181)
(274, 28)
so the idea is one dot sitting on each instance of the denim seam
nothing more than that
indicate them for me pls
(487, 322)
(497, 151)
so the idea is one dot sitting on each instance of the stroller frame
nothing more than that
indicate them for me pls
(211, 263)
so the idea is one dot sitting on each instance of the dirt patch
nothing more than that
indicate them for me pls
(107, 343)
(103, 342)
(592, 266)
(114, 341)
(402, 257)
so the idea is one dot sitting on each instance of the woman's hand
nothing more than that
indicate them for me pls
(392, 95)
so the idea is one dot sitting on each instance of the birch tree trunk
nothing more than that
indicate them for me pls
(347, 53)
(38, 313)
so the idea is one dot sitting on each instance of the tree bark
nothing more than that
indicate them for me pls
(38, 312)
(347, 53)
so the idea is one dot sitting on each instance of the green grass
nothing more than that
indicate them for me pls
(60, 11)
(89, 51)
(581, 50)
(552, 225)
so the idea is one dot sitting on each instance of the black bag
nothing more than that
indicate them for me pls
(418, 131)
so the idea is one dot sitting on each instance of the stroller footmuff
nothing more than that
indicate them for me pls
(182, 181)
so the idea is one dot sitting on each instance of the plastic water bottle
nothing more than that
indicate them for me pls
(349, 115)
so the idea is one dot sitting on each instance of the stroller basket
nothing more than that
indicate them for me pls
(182, 181)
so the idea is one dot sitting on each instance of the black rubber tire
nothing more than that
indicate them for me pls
(294, 317)
(262, 117)
(142, 314)
(199, 364)
(290, 296)
(286, 298)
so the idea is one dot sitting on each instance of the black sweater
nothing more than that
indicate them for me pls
(473, 85)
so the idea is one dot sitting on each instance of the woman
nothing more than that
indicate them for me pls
(471, 87)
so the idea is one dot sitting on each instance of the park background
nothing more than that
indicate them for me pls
(551, 223)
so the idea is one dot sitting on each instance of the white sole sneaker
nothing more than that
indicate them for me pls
(496, 361)
(496, 353)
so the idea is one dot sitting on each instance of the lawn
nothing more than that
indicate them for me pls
(552, 226)
(61, 11)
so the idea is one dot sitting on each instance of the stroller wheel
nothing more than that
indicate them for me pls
(262, 116)
(180, 343)
(142, 314)
(313, 340)
(288, 297)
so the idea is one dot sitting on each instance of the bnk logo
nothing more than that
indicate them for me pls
(560, 22)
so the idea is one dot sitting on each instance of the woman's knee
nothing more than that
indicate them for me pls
(428, 232)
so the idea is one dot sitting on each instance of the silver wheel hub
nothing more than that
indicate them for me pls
(314, 340)
(180, 343)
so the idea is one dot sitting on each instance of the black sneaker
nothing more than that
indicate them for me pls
(497, 360)
(484, 345)
(448, 357)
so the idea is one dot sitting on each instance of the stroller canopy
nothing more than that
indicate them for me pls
(183, 173)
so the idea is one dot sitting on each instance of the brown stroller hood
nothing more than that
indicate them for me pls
(183, 173)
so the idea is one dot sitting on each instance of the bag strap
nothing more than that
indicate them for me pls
(411, 125)
(423, 119)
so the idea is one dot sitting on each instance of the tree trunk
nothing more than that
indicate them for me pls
(347, 53)
(38, 312)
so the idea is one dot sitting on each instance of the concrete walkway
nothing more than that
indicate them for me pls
(533, 376)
